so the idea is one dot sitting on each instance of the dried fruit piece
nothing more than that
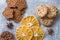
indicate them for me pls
(30, 21)
(38, 33)
(24, 33)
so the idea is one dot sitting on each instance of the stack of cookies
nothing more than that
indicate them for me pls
(15, 9)
(29, 29)
(46, 14)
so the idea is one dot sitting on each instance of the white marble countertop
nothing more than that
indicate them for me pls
(32, 4)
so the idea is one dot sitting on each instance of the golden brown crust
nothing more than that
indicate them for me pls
(8, 13)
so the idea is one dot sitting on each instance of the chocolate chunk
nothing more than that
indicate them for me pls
(50, 31)
(10, 25)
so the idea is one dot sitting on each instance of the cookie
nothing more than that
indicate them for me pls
(17, 15)
(7, 35)
(12, 3)
(52, 11)
(41, 11)
(38, 33)
(46, 21)
(30, 21)
(1, 38)
(22, 4)
(24, 33)
(8, 13)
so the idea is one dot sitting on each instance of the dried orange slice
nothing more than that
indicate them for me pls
(24, 33)
(38, 33)
(30, 21)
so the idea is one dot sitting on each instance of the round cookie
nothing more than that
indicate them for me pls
(41, 11)
(7, 35)
(30, 21)
(38, 33)
(46, 21)
(24, 33)
(52, 11)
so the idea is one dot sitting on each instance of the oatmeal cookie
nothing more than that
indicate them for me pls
(41, 11)
(7, 35)
(52, 11)
(8, 13)
(46, 21)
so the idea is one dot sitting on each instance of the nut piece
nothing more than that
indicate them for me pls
(52, 11)
(22, 4)
(50, 31)
(17, 15)
(7, 35)
(46, 21)
(8, 13)
(41, 11)
(10, 25)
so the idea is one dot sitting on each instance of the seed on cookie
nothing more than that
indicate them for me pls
(41, 10)
(46, 21)
(7, 35)
(8, 13)
(21, 4)
(52, 11)
(17, 15)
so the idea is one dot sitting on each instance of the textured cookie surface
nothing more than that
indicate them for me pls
(21, 4)
(41, 10)
(12, 3)
(24, 33)
(52, 11)
(38, 33)
(30, 21)
(8, 13)
(17, 15)
(46, 21)
(7, 35)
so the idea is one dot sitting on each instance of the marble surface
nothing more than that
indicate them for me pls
(32, 4)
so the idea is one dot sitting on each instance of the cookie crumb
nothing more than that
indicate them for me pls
(10, 25)
(50, 31)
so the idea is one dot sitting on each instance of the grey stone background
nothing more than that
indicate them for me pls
(32, 4)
